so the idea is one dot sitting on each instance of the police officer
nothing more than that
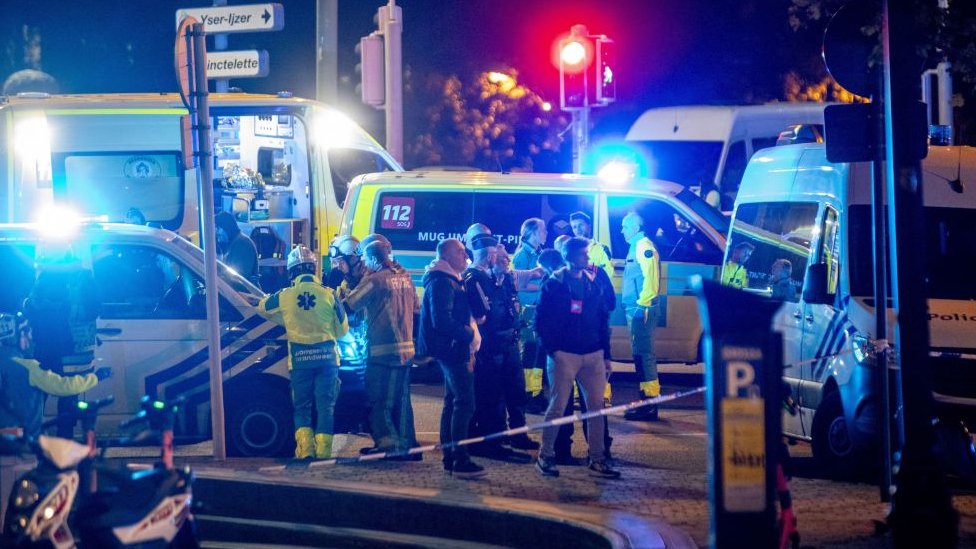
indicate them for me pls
(313, 321)
(533, 238)
(63, 306)
(24, 386)
(498, 341)
(388, 297)
(641, 300)
(513, 380)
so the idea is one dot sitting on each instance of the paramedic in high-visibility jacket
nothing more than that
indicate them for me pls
(641, 300)
(313, 320)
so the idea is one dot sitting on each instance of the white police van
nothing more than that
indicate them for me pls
(794, 204)
(152, 333)
(695, 144)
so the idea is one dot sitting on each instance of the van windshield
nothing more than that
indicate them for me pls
(248, 291)
(950, 243)
(685, 162)
(775, 231)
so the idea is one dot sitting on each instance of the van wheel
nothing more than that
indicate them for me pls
(261, 425)
(833, 446)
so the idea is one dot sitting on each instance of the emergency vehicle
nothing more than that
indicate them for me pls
(698, 143)
(281, 164)
(416, 210)
(152, 333)
(796, 205)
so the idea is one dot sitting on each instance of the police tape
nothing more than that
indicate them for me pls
(613, 410)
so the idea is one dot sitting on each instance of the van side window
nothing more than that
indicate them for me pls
(829, 248)
(346, 164)
(140, 282)
(504, 213)
(735, 166)
(675, 237)
(777, 231)
(418, 220)
(17, 274)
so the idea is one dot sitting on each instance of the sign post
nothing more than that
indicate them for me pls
(191, 72)
(744, 377)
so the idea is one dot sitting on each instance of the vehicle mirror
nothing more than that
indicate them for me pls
(815, 287)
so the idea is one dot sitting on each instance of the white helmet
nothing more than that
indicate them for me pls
(301, 256)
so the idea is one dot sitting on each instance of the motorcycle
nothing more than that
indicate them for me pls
(116, 506)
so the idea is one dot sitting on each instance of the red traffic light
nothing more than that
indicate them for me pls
(573, 53)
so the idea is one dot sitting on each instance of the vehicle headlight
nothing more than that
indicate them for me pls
(26, 494)
(861, 347)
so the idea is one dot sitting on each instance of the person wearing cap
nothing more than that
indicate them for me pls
(314, 320)
(641, 300)
(734, 273)
(389, 300)
(497, 328)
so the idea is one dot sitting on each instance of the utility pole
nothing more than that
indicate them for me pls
(922, 513)
(391, 25)
(327, 51)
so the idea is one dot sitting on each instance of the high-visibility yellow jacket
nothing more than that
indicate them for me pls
(642, 273)
(310, 313)
(734, 275)
(600, 256)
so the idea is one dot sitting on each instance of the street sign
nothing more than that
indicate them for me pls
(227, 19)
(237, 64)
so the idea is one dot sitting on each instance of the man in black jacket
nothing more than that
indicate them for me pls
(571, 321)
(497, 356)
(448, 333)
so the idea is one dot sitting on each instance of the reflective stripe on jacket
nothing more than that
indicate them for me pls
(642, 273)
(390, 301)
(308, 310)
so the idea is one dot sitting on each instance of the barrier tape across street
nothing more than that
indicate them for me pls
(872, 347)
(613, 410)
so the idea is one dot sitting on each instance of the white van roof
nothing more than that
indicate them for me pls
(793, 171)
(716, 123)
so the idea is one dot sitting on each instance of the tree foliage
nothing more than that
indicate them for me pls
(491, 123)
(941, 34)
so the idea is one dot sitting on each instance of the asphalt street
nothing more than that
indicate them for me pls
(664, 475)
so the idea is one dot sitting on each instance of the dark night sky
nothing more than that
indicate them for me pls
(670, 51)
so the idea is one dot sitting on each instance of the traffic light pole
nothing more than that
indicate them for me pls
(581, 133)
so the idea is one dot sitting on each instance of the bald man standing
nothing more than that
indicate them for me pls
(641, 300)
